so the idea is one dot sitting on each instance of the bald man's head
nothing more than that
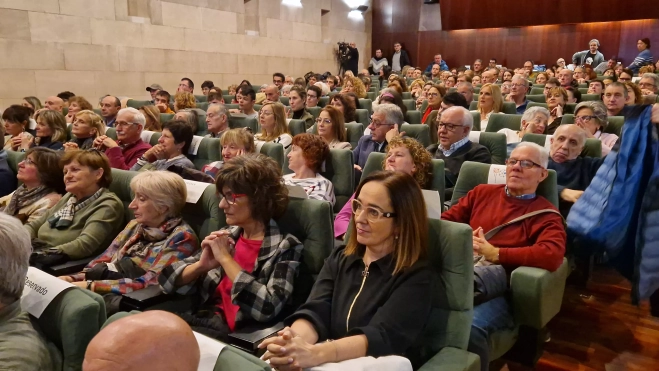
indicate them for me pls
(272, 93)
(153, 340)
(54, 103)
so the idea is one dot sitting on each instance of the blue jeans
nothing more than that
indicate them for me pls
(489, 317)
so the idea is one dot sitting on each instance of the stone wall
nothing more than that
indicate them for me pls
(98, 47)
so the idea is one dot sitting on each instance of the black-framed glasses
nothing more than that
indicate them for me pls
(373, 215)
(525, 164)
(449, 127)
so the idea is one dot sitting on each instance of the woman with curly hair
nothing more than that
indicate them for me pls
(354, 85)
(307, 155)
(403, 154)
(183, 100)
(346, 106)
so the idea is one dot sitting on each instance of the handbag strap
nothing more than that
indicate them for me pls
(496, 229)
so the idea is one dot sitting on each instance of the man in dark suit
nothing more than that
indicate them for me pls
(454, 146)
(385, 117)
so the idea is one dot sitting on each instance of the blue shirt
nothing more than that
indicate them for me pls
(522, 108)
(454, 147)
(522, 197)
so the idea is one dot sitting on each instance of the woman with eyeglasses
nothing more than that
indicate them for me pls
(490, 101)
(331, 128)
(86, 219)
(591, 116)
(306, 158)
(274, 129)
(556, 100)
(371, 298)
(42, 185)
(434, 95)
(244, 273)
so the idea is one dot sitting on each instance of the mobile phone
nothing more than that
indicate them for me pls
(619, 62)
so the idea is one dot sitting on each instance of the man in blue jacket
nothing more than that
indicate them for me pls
(438, 60)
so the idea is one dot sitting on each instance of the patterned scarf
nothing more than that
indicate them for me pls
(63, 218)
(139, 243)
(25, 197)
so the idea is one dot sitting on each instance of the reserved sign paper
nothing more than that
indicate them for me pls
(40, 289)
(209, 350)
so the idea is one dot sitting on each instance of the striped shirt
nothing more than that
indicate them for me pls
(318, 188)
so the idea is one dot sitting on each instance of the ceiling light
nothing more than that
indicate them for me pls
(292, 3)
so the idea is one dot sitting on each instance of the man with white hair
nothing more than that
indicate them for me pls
(518, 90)
(21, 346)
(649, 84)
(271, 94)
(129, 147)
(536, 241)
(454, 146)
(591, 56)
(489, 76)
(385, 118)
(217, 121)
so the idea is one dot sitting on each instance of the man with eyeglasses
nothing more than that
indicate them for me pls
(551, 83)
(537, 241)
(626, 75)
(518, 90)
(278, 79)
(385, 117)
(217, 121)
(649, 84)
(313, 96)
(129, 146)
(454, 146)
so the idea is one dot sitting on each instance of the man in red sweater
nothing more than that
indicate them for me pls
(129, 147)
(538, 241)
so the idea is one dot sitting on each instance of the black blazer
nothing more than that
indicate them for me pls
(404, 59)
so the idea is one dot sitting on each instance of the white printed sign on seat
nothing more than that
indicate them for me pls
(195, 190)
(497, 174)
(194, 145)
(209, 350)
(297, 191)
(475, 136)
(548, 141)
(40, 289)
(146, 136)
(433, 203)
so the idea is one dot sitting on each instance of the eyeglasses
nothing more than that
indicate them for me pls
(449, 127)
(517, 85)
(624, 79)
(583, 118)
(376, 123)
(27, 161)
(433, 94)
(525, 164)
(312, 96)
(323, 121)
(118, 124)
(266, 113)
(231, 197)
(645, 85)
(373, 215)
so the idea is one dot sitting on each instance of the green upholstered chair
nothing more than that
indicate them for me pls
(509, 108)
(477, 120)
(540, 98)
(500, 121)
(338, 168)
(275, 151)
(69, 323)
(203, 106)
(227, 98)
(235, 106)
(366, 104)
(536, 294)
(154, 138)
(284, 101)
(615, 125)
(413, 117)
(323, 101)
(296, 127)
(590, 97)
(536, 91)
(584, 85)
(363, 117)
(13, 158)
(111, 133)
(314, 111)
(541, 86)
(407, 95)
(494, 142)
(592, 147)
(446, 336)
(410, 104)
(567, 119)
(354, 131)
(210, 150)
(243, 122)
(376, 159)
(372, 95)
(120, 186)
(230, 358)
(138, 103)
(418, 132)
(201, 98)
(164, 117)
(473, 106)
(477, 90)
(569, 107)
(583, 91)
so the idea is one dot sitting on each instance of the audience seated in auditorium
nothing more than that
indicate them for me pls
(634, 94)
(644, 56)
(534, 121)
(32, 102)
(271, 94)
(566, 78)
(490, 101)
(297, 101)
(245, 273)
(506, 85)
(234, 142)
(156, 238)
(541, 78)
(454, 146)
(274, 128)
(596, 87)
(110, 107)
(50, 131)
(354, 85)
(649, 84)
(537, 241)
(551, 83)
(449, 100)
(591, 116)
(124, 152)
(162, 102)
(388, 236)
(246, 97)
(306, 158)
(16, 126)
(614, 98)
(331, 128)
(54, 103)
(215, 97)
(573, 95)
(217, 120)
(518, 90)
(7, 176)
(489, 76)
(403, 154)
(314, 92)
(346, 106)
(153, 340)
(86, 127)
(42, 185)
(171, 150)
(434, 95)
(556, 100)
(21, 346)
(152, 116)
(75, 105)
(185, 85)
(385, 117)
(278, 79)
(87, 218)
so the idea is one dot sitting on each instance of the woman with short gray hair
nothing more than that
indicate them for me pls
(156, 238)
(534, 121)
(591, 116)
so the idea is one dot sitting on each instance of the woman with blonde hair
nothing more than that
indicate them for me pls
(274, 129)
(490, 101)
(50, 132)
(234, 142)
(183, 100)
(86, 127)
(32, 102)
(354, 85)
(331, 127)
(152, 115)
(556, 100)
(416, 88)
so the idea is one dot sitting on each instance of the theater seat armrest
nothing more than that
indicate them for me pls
(68, 268)
(249, 337)
(144, 298)
(453, 359)
(537, 294)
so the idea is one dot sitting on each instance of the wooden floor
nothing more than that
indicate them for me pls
(599, 329)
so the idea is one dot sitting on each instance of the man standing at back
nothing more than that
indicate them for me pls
(478, 67)
(109, 107)
(400, 58)
(129, 147)
(377, 63)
